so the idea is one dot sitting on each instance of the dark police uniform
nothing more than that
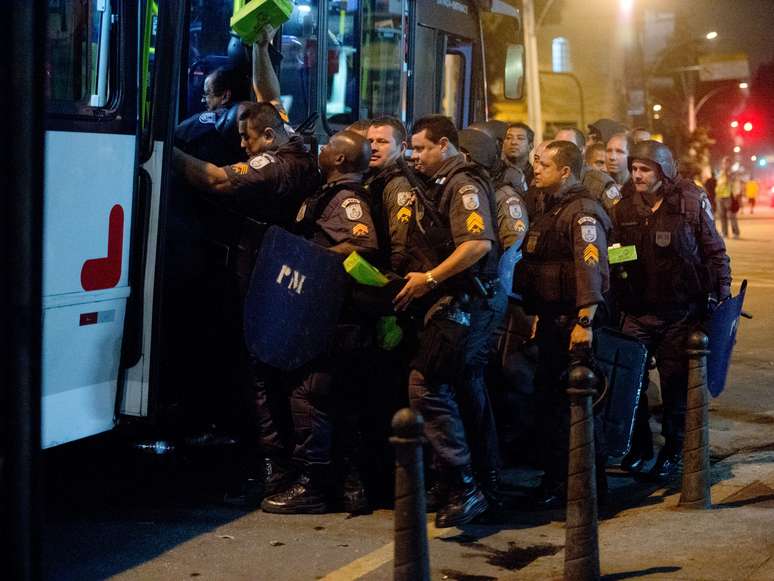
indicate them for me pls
(681, 261)
(391, 188)
(337, 213)
(564, 268)
(267, 189)
(602, 187)
(455, 339)
(512, 217)
(212, 136)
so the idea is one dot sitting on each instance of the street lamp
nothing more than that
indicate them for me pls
(734, 124)
(737, 149)
(744, 85)
(748, 127)
(712, 35)
(753, 158)
(656, 107)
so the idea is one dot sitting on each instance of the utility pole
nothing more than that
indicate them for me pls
(535, 114)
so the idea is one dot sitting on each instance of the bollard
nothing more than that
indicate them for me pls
(412, 561)
(581, 550)
(696, 467)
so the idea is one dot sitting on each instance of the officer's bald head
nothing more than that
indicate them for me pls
(356, 150)
(346, 152)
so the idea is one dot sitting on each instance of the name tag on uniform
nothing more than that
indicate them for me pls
(619, 254)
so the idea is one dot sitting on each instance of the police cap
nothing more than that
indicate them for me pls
(654, 152)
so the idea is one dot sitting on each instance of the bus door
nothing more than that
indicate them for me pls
(444, 48)
(160, 42)
(89, 167)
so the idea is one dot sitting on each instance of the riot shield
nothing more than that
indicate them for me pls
(294, 300)
(623, 360)
(721, 329)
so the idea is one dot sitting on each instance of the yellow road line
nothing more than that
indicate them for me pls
(375, 559)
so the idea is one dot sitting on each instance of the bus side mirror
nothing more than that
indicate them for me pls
(514, 71)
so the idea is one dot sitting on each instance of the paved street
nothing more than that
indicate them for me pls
(142, 521)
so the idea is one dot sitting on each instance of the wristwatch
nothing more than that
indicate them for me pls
(584, 322)
(431, 282)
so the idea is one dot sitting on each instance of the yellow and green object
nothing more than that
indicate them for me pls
(617, 254)
(363, 271)
(251, 17)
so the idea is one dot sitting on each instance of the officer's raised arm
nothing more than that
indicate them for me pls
(265, 82)
(200, 174)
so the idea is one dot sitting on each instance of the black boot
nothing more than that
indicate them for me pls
(304, 496)
(277, 476)
(490, 486)
(351, 493)
(465, 500)
(668, 465)
(436, 495)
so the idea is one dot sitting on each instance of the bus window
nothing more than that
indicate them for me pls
(382, 81)
(514, 71)
(208, 39)
(457, 72)
(78, 54)
(343, 56)
(299, 58)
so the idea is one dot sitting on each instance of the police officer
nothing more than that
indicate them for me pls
(680, 263)
(452, 272)
(213, 135)
(601, 185)
(388, 184)
(338, 218)
(562, 278)
(517, 145)
(616, 157)
(509, 184)
(603, 129)
(595, 156)
(268, 188)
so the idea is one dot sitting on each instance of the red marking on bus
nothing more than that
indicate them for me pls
(102, 273)
(88, 319)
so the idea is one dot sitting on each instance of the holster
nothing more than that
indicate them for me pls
(441, 354)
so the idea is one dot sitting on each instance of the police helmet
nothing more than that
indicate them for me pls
(479, 146)
(654, 152)
(606, 128)
(494, 129)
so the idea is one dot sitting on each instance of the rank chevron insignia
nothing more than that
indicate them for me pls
(475, 223)
(591, 255)
(360, 230)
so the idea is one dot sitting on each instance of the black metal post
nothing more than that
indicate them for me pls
(21, 209)
(412, 562)
(696, 467)
(581, 550)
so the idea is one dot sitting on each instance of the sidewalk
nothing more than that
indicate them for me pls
(653, 540)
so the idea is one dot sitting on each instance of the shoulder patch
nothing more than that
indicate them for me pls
(353, 208)
(589, 233)
(404, 198)
(514, 208)
(239, 168)
(613, 192)
(208, 117)
(474, 223)
(586, 220)
(261, 161)
(470, 201)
